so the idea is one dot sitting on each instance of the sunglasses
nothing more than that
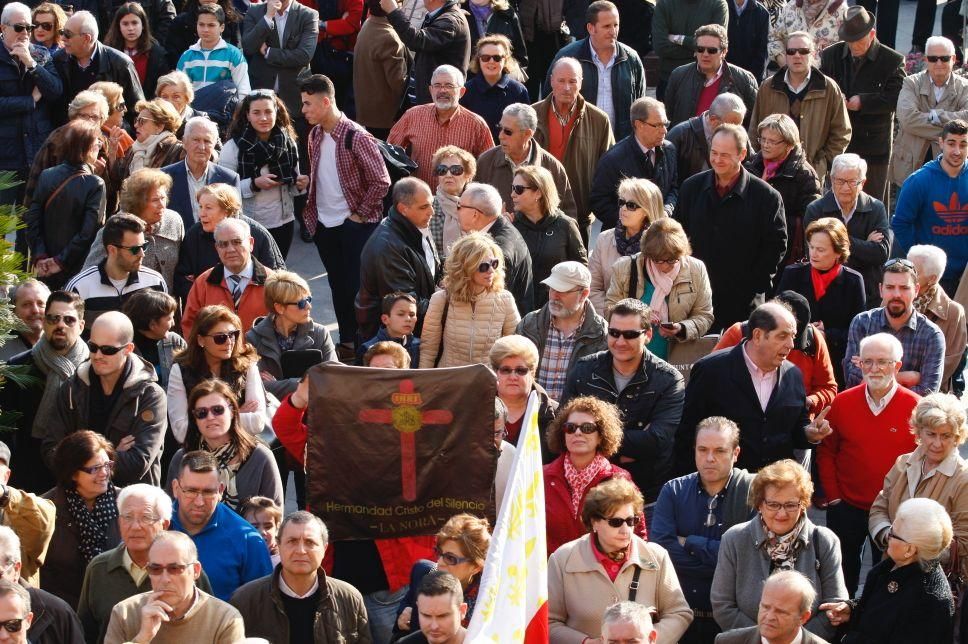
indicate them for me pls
(507, 132)
(803, 51)
(518, 371)
(584, 428)
(456, 170)
(489, 265)
(12, 625)
(710, 517)
(105, 349)
(935, 59)
(22, 28)
(616, 522)
(708, 50)
(201, 413)
(222, 338)
(303, 304)
(631, 205)
(450, 558)
(134, 250)
(628, 334)
(486, 58)
(46, 26)
(94, 469)
(906, 263)
(67, 33)
(69, 320)
(172, 569)
(519, 189)
(227, 243)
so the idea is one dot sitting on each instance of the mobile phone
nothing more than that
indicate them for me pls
(668, 325)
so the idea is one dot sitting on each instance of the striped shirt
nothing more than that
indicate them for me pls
(100, 294)
(207, 66)
(556, 358)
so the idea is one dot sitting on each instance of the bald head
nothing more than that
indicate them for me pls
(113, 324)
(772, 330)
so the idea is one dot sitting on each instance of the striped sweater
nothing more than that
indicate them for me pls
(207, 66)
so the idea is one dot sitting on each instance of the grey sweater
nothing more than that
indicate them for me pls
(743, 566)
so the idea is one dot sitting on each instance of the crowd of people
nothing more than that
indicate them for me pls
(770, 317)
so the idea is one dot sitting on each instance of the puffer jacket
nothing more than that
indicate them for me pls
(690, 302)
(550, 241)
(591, 335)
(469, 331)
(686, 84)
(24, 125)
(262, 336)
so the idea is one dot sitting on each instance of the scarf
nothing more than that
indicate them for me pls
(141, 153)
(770, 168)
(481, 13)
(924, 298)
(279, 153)
(663, 286)
(227, 470)
(93, 524)
(627, 246)
(822, 281)
(57, 369)
(579, 479)
(451, 224)
(783, 550)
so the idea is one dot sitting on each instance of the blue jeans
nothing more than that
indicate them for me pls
(381, 612)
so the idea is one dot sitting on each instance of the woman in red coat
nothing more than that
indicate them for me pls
(586, 433)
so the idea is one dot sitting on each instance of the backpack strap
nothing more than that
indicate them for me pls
(633, 277)
(348, 139)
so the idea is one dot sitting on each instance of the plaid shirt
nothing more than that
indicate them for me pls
(419, 131)
(556, 358)
(362, 173)
(921, 339)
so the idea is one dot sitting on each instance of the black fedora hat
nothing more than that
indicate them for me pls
(857, 24)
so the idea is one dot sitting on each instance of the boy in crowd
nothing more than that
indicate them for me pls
(398, 318)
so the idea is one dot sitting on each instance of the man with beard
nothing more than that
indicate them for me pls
(52, 360)
(870, 431)
(424, 129)
(923, 360)
(28, 298)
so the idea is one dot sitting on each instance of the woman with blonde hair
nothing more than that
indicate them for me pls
(454, 168)
(551, 236)
(472, 311)
(514, 358)
(156, 144)
(49, 19)
(639, 205)
(496, 81)
(119, 141)
(671, 281)
(176, 88)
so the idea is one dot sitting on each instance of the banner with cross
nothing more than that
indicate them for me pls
(395, 453)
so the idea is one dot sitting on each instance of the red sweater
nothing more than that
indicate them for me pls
(707, 94)
(856, 457)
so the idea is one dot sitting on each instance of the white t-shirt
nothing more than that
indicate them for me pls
(331, 207)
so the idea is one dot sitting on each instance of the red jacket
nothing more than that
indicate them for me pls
(341, 32)
(817, 370)
(397, 555)
(561, 526)
(210, 288)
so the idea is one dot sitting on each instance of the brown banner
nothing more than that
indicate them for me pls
(395, 453)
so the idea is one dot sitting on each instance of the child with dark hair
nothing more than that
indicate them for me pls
(398, 319)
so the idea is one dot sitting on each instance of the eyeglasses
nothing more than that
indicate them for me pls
(94, 469)
(13, 625)
(661, 125)
(584, 428)
(456, 170)
(489, 265)
(140, 519)
(882, 363)
(121, 107)
(464, 205)
(789, 506)
(803, 51)
(935, 59)
(450, 558)
(518, 189)
(843, 183)
(20, 28)
(893, 535)
(141, 120)
(712, 51)
(486, 58)
(303, 303)
(710, 517)
(518, 371)
(222, 338)
(172, 569)
(201, 413)
(628, 334)
(223, 244)
(92, 118)
(68, 320)
(631, 205)
(448, 86)
(193, 493)
(105, 349)
(765, 141)
(616, 522)
(134, 250)
(46, 26)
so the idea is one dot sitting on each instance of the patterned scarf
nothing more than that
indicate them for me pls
(783, 550)
(579, 479)
(627, 246)
(278, 152)
(93, 524)
(663, 283)
(226, 471)
(924, 298)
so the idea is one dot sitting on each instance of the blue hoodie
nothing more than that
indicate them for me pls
(932, 208)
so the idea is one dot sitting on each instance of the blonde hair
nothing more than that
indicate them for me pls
(510, 64)
(163, 112)
(470, 533)
(937, 410)
(540, 178)
(282, 287)
(925, 524)
(86, 98)
(665, 239)
(646, 194)
(113, 92)
(179, 80)
(227, 197)
(465, 256)
(781, 474)
(514, 346)
(467, 159)
(137, 187)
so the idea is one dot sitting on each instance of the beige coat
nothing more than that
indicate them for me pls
(690, 302)
(948, 485)
(470, 330)
(601, 264)
(950, 318)
(579, 591)
(916, 132)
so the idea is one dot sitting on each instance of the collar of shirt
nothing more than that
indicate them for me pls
(190, 608)
(718, 75)
(644, 149)
(707, 129)
(878, 407)
(430, 256)
(574, 332)
(245, 274)
(598, 61)
(286, 590)
(430, 15)
(741, 8)
(487, 228)
(201, 180)
(911, 323)
(796, 640)
(757, 373)
(137, 573)
(845, 214)
(806, 81)
(528, 160)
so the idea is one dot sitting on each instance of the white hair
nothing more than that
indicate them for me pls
(151, 494)
(88, 23)
(9, 546)
(628, 612)
(485, 197)
(940, 41)
(200, 121)
(933, 259)
(574, 62)
(12, 9)
(884, 340)
(726, 104)
(925, 524)
(797, 582)
(524, 114)
(452, 72)
(236, 225)
(849, 161)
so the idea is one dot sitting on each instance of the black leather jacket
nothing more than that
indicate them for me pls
(112, 65)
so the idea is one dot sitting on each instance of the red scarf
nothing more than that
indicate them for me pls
(822, 281)
(579, 479)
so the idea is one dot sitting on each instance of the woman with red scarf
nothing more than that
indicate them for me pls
(834, 291)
